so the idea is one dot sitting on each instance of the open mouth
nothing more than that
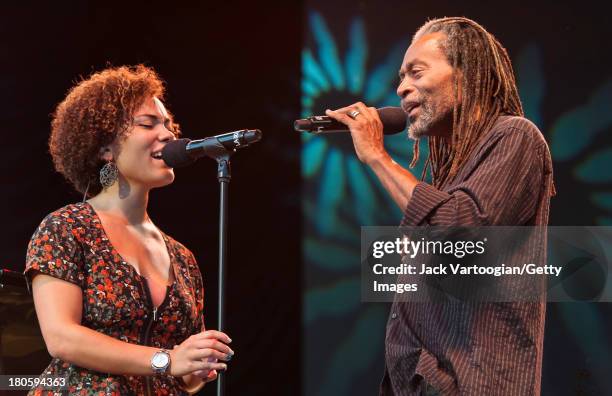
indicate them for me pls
(409, 107)
(157, 155)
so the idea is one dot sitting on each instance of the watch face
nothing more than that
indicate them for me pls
(160, 360)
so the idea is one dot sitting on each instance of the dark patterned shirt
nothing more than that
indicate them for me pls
(476, 348)
(71, 244)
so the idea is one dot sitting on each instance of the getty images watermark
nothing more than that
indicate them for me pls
(438, 264)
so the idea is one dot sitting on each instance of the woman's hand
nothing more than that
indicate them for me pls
(206, 375)
(201, 354)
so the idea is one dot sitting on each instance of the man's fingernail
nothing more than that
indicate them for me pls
(229, 356)
(229, 340)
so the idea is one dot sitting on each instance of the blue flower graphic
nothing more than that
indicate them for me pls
(340, 196)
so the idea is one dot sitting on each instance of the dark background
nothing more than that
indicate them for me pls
(228, 65)
(236, 64)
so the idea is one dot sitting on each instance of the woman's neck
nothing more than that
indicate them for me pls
(129, 204)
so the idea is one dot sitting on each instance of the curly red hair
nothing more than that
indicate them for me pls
(96, 112)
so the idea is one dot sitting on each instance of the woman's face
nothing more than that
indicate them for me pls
(136, 160)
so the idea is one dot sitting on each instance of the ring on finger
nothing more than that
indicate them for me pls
(353, 114)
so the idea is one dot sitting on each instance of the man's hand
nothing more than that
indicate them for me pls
(367, 133)
(366, 130)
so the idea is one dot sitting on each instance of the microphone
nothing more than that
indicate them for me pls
(394, 121)
(183, 152)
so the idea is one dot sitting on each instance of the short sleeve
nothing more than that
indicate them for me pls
(53, 250)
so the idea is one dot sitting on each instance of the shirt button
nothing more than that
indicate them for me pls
(393, 315)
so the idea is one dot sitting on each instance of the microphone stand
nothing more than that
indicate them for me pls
(223, 176)
(217, 151)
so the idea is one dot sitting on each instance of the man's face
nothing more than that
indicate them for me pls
(426, 88)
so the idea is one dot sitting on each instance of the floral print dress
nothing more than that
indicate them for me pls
(71, 244)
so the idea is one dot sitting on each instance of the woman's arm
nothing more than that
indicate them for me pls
(59, 308)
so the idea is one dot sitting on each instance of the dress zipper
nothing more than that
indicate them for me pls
(150, 323)
(148, 330)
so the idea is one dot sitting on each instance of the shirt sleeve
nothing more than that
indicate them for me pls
(53, 250)
(503, 189)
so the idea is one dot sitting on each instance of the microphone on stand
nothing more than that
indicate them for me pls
(183, 152)
(394, 121)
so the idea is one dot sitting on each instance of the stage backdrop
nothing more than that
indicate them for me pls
(352, 51)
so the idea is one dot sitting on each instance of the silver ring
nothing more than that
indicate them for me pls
(353, 114)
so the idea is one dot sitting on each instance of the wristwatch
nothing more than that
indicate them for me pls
(160, 361)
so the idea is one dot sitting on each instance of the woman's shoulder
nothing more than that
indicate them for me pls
(178, 248)
(182, 254)
(70, 217)
(55, 248)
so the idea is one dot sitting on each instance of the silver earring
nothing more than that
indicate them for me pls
(108, 174)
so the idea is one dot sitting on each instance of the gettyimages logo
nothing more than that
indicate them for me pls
(554, 264)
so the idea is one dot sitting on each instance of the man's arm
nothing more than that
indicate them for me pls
(366, 132)
(502, 189)
(398, 181)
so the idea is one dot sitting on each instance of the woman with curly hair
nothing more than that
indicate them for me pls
(119, 302)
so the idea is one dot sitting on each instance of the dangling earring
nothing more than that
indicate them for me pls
(108, 174)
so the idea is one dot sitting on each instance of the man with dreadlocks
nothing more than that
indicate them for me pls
(489, 167)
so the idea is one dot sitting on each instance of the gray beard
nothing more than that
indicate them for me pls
(423, 123)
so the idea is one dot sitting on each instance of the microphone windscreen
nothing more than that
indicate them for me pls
(394, 119)
(303, 124)
(175, 153)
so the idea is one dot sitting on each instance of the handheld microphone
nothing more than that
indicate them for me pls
(183, 152)
(394, 121)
